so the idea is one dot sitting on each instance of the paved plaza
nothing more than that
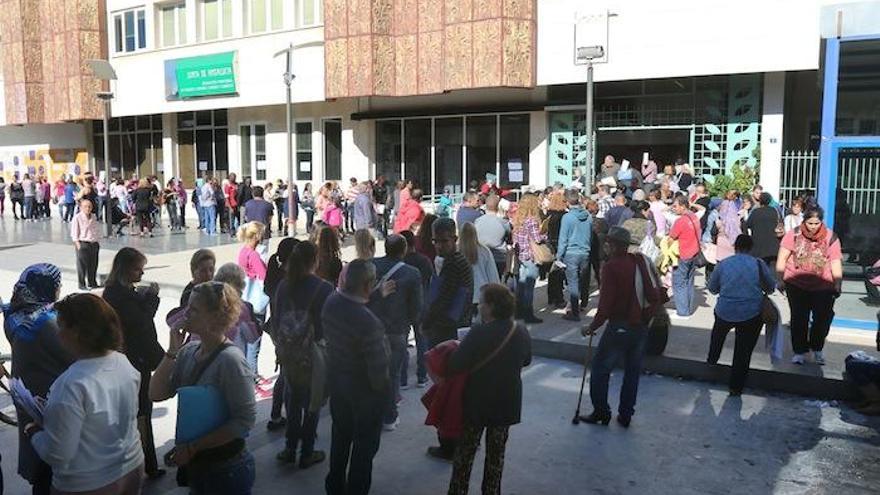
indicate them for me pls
(687, 436)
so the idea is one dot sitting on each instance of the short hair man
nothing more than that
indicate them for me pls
(573, 249)
(686, 230)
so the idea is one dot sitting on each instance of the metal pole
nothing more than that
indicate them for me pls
(108, 219)
(588, 123)
(288, 81)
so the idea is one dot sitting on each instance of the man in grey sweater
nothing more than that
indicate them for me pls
(357, 356)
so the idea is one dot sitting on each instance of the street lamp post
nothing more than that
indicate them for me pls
(588, 54)
(288, 77)
(104, 71)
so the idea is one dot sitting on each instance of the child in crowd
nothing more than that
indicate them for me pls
(795, 216)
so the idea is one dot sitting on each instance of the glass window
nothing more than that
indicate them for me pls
(130, 30)
(186, 158)
(277, 14)
(417, 153)
(141, 29)
(158, 155)
(260, 150)
(303, 151)
(333, 149)
(130, 35)
(210, 20)
(129, 160)
(481, 149)
(205, 152)
(258, 16)
(221, 153)
(115, 156)
(186, 120)
(514, 150)
(245, 137)
(144, 158)
(448, 141)
(203, 118)
(173, 24)
(858, 113)
(308, 12)
(227, 17)
(157, 121)
(388, 152)
(220, 118)
(120, 33)
(127, 124)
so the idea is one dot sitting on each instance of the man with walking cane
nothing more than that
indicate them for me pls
(628, 298)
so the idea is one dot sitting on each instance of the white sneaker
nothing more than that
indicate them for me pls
(797, 359)
(392, 426)
(819, 358)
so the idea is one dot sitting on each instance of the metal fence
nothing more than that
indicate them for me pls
(800, 172)
(859, 177)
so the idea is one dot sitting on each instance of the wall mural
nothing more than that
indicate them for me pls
(52, 163)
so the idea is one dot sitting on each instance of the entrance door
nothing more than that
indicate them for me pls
(662, 145)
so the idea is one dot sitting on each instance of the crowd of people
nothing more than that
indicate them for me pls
(459, 278)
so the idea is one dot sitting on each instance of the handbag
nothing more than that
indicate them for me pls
(699, 260)
(255, 294)
(541, 253)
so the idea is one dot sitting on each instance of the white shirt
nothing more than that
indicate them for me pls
(206, 196)
(90, 435)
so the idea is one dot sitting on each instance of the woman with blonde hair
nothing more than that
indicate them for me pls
(365, 249)
(481, 260)
(250, 234)
(526, 229)
(218, 461)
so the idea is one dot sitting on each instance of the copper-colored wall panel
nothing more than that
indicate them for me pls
(406, 65)
(487, 53)
(430, 62)
(406, 47)
(44, 45)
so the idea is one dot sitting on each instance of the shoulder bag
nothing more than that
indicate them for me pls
(201, 409)
(699, 259)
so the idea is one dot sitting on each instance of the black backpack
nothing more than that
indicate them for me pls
(294, 335)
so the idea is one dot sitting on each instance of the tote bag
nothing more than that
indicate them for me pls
(256, 295)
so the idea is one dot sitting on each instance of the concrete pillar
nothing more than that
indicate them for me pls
(169, 157)
(538, 149)
(771, 131)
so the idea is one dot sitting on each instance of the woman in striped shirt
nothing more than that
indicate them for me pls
(526, 229)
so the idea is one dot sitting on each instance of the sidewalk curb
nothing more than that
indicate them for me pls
(814, 387)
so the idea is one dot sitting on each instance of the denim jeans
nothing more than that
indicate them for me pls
(171, 207)
(683, 287)
(575, 264)
(618, 341)
(253, 354)
(525, 288)
(210, 220)
(397, 344)
(29, 207)
(233, 477)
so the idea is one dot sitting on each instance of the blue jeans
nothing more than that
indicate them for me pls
(29, 207)
(525, 288)
(233, 477)
(575, 264)
(618, 341)
(397, 344)
(253, 354)
(211, 220)
(683, 287)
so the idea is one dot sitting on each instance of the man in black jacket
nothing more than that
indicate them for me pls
(357, 358)
(399, 311)
(452, 290)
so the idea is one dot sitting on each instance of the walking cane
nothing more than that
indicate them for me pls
(589, 357)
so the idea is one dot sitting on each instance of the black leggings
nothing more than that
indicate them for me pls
(747, 333)
(804, 304)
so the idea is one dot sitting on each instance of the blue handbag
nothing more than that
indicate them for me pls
(201, 409)
(456, 308)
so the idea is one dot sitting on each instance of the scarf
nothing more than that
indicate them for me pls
(819, 236)
(810, 249)
(32, 298)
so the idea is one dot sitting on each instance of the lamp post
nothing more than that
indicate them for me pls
(104, 71)
(588, 54)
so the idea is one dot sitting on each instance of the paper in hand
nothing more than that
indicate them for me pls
(32, 406)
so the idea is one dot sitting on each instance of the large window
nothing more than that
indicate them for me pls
(215, 19)
(201, 145)
(332, 149)
(308, 12)
(130, 30)
(448, 142)
(263, 15)
(465, 150)
(514, 152)
(253, 151)
(858, 110)
(303, 151)
(388, 153)
(135, 146)
(172, 24)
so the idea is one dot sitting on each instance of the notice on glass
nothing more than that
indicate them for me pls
(514, 165)
(515, 175)
(203, 166)
(261, 164)
(305, 166)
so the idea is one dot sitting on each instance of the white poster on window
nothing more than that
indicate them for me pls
(516, 176)
(261, 164)
(203, 166)
(514, 165)
(305, 166)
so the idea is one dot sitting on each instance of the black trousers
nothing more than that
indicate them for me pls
(301, 424)
(87, 263)
(747, 333)
(357, 430)
(804, 304)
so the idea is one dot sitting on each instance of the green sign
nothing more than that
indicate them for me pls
(207, 75)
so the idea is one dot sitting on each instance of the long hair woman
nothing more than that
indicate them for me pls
(143, 203)
(136, 306)
(329, 261)
(424, 237)
(526, 229)
(810, 266)
(89, 433)
(556, 208)
(304, 291)
(481, 260)
(217, 463)
(38, 358)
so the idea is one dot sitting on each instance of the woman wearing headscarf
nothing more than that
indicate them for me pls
(729, 228)
(810, 267)
(136, 306)
(38, 357)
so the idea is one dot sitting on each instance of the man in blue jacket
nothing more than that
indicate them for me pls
(398, 310)
(574, 248)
